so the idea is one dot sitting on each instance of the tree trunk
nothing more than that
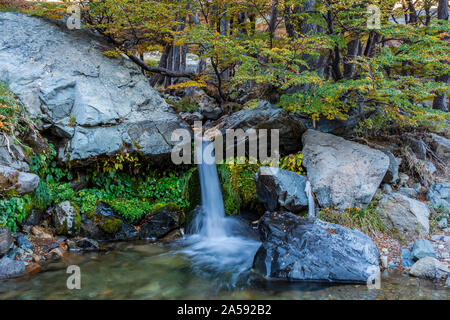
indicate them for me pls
(157, 79)
(352, 52)
(440, 101)
(412, 12)
(443, 10)
(273, 21)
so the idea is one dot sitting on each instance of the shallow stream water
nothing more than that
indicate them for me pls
(144, 270)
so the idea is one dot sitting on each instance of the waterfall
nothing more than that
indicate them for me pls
(218, 246)
(308, 191)
(210, 220)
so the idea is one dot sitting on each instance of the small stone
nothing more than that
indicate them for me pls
(417, 187)
(437, 237)
(56, 254)
(406, 258)
(41, 233)
(403, 179)
(392, 265)
(442, 223)
(24, 243)
(422, 248)
(387, 188)
(409, 192)
(33, 268)
(429, 167)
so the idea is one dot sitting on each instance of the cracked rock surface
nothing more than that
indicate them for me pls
(93, 104)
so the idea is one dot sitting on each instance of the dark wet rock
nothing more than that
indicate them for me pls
(126, 232)
(439, 195)
(83, 244)
(342, 173)
(408, 216)
(429, 268)
(296, 248)
(210, 112)
(422, 248)
(5, 240)
(281, 190)
(160, 222)
(105, 224)
(335, 126)
(392, 172)
(11, 268)
(34, 218)
(267, 116)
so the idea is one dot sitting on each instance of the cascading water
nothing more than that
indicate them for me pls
(308, 191)
(214, 242)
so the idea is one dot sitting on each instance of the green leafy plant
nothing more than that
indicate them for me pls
(292, 162)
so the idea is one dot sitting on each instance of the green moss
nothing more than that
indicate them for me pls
(185, 104)
(238, 187)
(108, 224)
(366, 220)
(192, 190)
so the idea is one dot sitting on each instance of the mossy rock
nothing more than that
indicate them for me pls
(105, 218)
(239, 188)
(108, 224)
(192, 189)
(60, 218)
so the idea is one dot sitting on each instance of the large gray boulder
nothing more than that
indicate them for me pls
(21, 182)
(439, 195)
(307, 249)
(343, 174)
(422, 248)
(429, 268)
(11, 268)
(267, 116)
(281, 190)
(94, 104)
(408, 216)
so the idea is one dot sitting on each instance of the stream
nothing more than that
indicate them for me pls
(144, 270)
(212, 261)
